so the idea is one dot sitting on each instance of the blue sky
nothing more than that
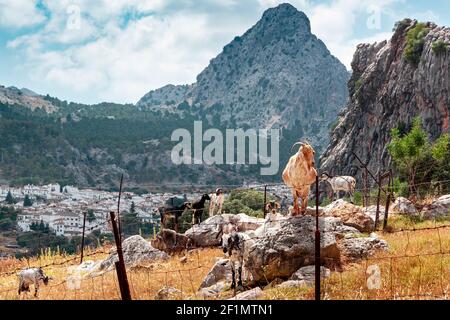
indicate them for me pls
(118, 50)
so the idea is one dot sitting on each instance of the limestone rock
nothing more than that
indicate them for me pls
(404, 207)
(168, 293)
(350, 214)
(439, 209)
(253, 294)
(135, 250)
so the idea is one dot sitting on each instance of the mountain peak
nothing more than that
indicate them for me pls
(287, 16)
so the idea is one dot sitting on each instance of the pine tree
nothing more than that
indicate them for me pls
(90, 215)
(27, 201)
(9, 198)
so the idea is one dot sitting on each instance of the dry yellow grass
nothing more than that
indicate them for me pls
(413, 268)
(417, 266)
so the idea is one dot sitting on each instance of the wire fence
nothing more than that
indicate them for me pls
(416, 266)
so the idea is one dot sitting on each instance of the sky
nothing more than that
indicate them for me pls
(117, 50)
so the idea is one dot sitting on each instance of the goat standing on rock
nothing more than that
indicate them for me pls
(217, 199)
(300, 174)
(198, 207)
(340, 183)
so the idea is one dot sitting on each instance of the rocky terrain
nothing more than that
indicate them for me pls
(25, 97)
(388, 90)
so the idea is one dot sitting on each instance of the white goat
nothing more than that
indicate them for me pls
(216, 200)
(31, 276)
(340, 183)
(273, 217)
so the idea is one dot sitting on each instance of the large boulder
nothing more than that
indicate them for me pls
(135, 250)
(304, 277)
(307, 274)
(371, 211)
(221, 271)
(214, 291)
(438, 209)
(350, 215)
(403, 206)
(245, 223)
(209, 232)
(292, 247)
(253, 294)
(354, 248)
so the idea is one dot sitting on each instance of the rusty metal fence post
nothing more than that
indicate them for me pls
(265, 201)
(82, 237)
(388, 201)
(120, 265)
(317, 244)
(377, 215)
(118, 208)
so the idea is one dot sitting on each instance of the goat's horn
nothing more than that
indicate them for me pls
(297, 143)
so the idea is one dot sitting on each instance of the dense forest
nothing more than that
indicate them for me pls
(91, 146)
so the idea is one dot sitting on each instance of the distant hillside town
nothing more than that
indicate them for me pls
(62, 208)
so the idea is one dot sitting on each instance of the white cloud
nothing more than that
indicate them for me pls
(124, 48)
(335, 24)
(19, 13)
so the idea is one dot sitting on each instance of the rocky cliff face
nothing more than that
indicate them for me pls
(25, 97)
(386, 91)
(278, 74)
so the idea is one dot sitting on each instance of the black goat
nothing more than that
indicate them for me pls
(198, 207)
(168, 211)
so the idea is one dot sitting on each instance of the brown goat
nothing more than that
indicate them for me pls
(300, 174)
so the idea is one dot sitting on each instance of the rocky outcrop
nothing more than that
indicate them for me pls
(355, 248)
(350, 215)
(253, 294)
(404, 207)
(388, 91)
(168, 293)
(135, 250)
(209, 233)
(25, 97)
(307, 274)
(439, 209)
(304, 277)
(221, 271)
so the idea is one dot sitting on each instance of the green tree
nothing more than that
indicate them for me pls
(9, 198)
(250, 202)
(439, 47)
(90, 215)
(27, 201)
(415, 40)
(413, 149)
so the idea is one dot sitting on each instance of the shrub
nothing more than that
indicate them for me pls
(414, 43)
(439, 47)
(402, 23)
